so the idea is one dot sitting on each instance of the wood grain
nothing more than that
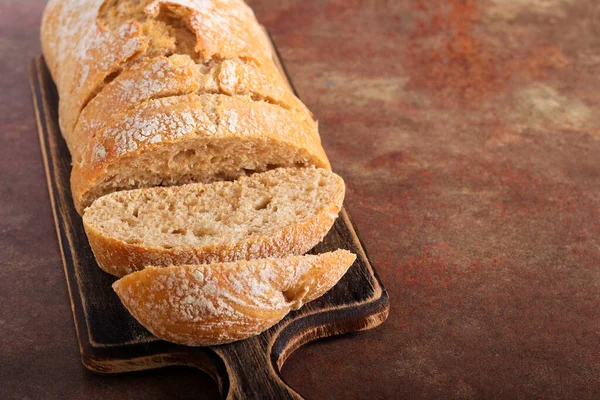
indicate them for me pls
(110, 339)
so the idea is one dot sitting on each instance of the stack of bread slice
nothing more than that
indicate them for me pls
(231, 251)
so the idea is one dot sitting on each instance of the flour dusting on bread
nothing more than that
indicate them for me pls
(113, 61)
(212, 304)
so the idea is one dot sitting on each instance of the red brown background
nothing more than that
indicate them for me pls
(468, 132)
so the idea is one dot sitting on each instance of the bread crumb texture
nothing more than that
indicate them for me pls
(272, 214)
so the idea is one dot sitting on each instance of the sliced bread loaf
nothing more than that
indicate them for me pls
(202, 305)
(277, 213)
(170, 92)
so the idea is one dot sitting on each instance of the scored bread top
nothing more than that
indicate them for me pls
(182, 75)
(271, 214)
(201, 305)
(87, 42)
(179, 75)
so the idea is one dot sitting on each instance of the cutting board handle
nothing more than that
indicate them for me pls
(252, 373)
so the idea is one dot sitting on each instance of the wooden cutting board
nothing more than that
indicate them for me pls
(110, 339)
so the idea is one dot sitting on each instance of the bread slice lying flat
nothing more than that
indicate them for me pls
(210, 304)
(281, 212)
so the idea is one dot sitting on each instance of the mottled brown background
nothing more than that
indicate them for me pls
(469, 135)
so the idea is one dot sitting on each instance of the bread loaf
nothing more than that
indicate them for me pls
(185, 94)
(202, 305)
(168, 92)
(271, 214)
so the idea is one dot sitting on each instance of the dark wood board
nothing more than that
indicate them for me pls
(110, 339)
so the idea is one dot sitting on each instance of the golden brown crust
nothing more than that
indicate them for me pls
(178, 75)
(225, 29)
(118, 257)
(81, 54)
(210, 304)
(152, 78)
(117, 60)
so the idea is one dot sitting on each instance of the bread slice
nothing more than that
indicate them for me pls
(277, 213)
(210, 304)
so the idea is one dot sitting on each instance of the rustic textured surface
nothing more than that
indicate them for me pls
(468, 133)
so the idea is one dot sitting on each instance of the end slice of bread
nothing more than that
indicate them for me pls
(281, 212)
(210, 304)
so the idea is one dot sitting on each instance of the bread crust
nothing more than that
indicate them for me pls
(211, 304)
(119, 258)
(113, 62)
(80, 54)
